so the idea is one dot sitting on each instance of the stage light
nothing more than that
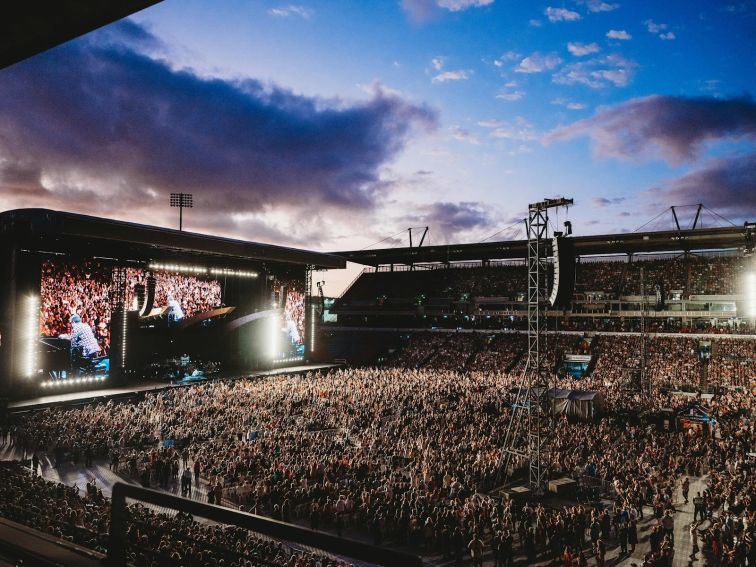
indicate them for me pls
(750, 295)
(312, 327)
(31, 331)
(123, 337)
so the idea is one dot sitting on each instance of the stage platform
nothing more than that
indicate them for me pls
(104, 394)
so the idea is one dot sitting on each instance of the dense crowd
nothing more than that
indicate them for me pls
(672, 362)
(406, 455)
(82, 515)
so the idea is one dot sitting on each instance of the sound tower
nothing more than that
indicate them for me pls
(150, 299)
(563, 284)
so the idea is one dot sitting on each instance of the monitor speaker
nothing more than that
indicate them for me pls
(563, 284)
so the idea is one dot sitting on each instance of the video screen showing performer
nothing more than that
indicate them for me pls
(75, 319)
(291, 297)
(75, 311)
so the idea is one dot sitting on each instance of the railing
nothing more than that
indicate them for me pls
(280, 531)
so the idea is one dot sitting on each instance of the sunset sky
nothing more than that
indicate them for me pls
(331, 125)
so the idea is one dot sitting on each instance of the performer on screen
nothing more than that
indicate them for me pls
(84, 344)
(175, 313)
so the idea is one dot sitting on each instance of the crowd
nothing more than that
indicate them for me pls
(82, 515)
(406, 455)
(691, 275)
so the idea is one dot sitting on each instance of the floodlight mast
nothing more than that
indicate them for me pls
(181, 200)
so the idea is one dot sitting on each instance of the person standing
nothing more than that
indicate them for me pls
(632, 535)
(693, 540)
(476, 551)
(698, 507)
(685, 489)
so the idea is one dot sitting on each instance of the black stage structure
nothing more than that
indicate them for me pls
(121, 279)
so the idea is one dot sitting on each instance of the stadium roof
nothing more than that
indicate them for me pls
(633, 242)
(56, 231)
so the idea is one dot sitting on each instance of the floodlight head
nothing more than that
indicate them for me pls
(184, 200)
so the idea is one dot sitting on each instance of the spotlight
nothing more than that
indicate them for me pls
(750, 295)
(274, 329)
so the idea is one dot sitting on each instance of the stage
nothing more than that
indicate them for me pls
(104, 394)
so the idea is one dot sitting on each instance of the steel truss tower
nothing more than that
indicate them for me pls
(530, 425)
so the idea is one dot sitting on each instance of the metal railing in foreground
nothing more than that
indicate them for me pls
(292, 535)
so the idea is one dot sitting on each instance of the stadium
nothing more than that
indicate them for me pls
(178, 397)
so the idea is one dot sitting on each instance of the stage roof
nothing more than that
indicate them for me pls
(633, 242)
(29, 28)
(56, 231)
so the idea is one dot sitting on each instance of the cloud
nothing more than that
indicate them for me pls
(437, 63)
(561, 15)
(460, 75)
(619, 34)
(459, 133)
(579, 49)
(123, 130)
(510, 92)
(508, 56)
(519, 129)
(449, 220)
(723, 184)
(600, 72)
(600, 6)
(658, 29)
(535, 23)
(536, 63)
(422, 11)
(292, 10)
(602, 202)
(653, 27)
(510, 96)
(670, 127)
(568, 104)
(461, 5)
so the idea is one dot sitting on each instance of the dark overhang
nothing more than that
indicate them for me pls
(31, 27)
(626, 243)
(56, 231)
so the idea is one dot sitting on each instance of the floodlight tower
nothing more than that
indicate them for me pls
(181, 200)
(531, 425)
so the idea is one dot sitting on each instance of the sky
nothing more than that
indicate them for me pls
(335, 125)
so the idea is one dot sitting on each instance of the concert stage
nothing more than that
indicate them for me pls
(105, 394)
(92, 303)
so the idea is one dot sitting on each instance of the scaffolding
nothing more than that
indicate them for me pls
(530, 427)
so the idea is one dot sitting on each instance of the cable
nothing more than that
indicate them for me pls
(384, 239)
(653, 219)
(514, 224)
(718, 215)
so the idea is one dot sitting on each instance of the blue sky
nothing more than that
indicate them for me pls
(332, 125)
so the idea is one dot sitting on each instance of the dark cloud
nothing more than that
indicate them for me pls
(451, 220)
(670, 127)
(726, 185)
(604, 202)
(98, 121)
